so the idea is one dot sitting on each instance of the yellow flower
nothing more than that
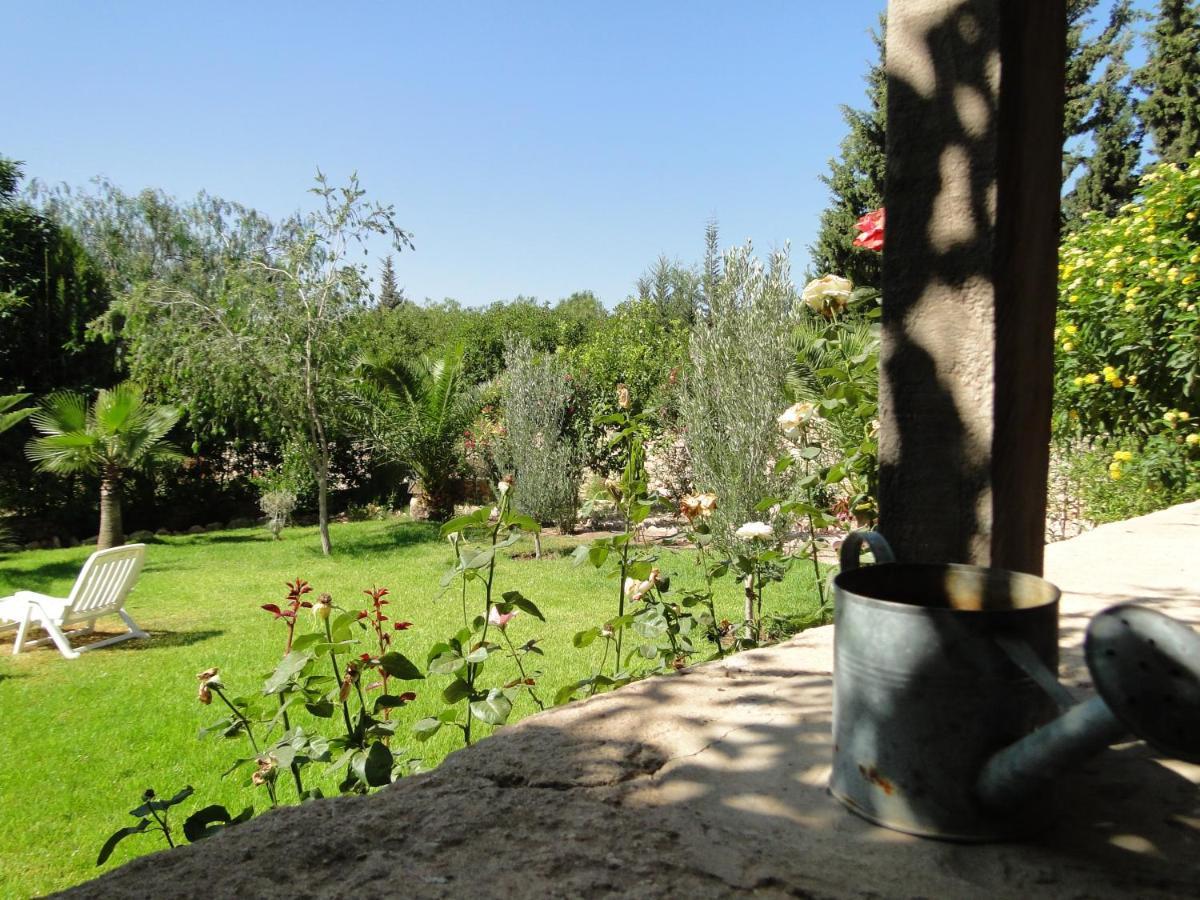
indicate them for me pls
(1132, 379)
(1123, 456)
(1170, 418)
(1117, 383)
(1109, 373)
(1191, 216)
(1130, 307)
(1114, 472)
(1183, 416)
(1079, 382)
(1072, 329)
(1193, 439)
(1091, 377)
(1074, 298)
(1188, 278)
(1068, 346)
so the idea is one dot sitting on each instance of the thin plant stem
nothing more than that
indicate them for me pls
(295, 767)
(337, 678)
(162, 824)
(712, 607)
(521, 669)
(249, 735)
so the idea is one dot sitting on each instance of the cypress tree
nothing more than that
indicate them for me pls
(1101, 108)
(855, 182)
(1171, 81)
(390, 296)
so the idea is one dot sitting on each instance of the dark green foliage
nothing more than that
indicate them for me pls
(856, 181)
(50, 290)
(1171, 80)
(1101, 133)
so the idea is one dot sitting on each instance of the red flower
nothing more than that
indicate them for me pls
(870, 229)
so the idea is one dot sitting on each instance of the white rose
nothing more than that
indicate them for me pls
(827, 295)
(756, 531)
(793, 419)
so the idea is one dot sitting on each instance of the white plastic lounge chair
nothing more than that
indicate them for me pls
(100, 590)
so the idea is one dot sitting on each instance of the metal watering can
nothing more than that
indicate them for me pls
(948, 717)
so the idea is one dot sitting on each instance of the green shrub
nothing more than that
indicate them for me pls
(1128, 334)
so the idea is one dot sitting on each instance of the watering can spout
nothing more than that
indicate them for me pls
(1146, 667)
(1020, 770)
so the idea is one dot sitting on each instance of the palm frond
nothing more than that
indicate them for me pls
(9, 419)
(61, 412)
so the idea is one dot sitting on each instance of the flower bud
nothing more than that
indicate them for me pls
(322, 607)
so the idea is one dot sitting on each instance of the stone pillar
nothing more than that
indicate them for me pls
(974, 148)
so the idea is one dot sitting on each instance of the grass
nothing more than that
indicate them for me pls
(81, 739)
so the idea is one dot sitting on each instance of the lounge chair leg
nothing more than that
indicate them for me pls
(132, 625)
(21, 630)
(60, 641)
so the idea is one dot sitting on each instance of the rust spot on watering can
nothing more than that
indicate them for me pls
(872, 775)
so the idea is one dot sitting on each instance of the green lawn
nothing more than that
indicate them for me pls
(81, 739)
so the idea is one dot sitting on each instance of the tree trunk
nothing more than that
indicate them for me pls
(323, 502)
(110, 534)
(537, 545)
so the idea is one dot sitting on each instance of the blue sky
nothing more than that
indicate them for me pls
(533, 148)
(536, 148)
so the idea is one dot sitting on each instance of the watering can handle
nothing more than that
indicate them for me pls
(853, 545)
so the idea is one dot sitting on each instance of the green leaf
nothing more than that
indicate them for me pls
(494, 710)
(289, 667)
(783, 464)
(597, 554)
(461, 523)
(447, 664)
(525, 523)
(160, 805)
(766, 503)
(208, 821)
(116, 837)
(455, 691)
(585, 637)
(322, 709)
(479, 654)
(397, 665)
(639, 570)
(426, 728)
(308, 642)
(521, 602)
(377, 767)
(480, 560)
(580, 553)
(340, 627)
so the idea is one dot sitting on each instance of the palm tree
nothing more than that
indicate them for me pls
(120, 433)
(417, 412)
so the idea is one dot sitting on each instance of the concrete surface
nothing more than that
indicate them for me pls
(712, 784)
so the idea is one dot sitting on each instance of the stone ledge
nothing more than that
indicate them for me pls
(712, 784)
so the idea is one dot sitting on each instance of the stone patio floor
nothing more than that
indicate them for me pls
(712, 784)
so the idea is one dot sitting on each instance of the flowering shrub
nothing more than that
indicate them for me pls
(1128, 352)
